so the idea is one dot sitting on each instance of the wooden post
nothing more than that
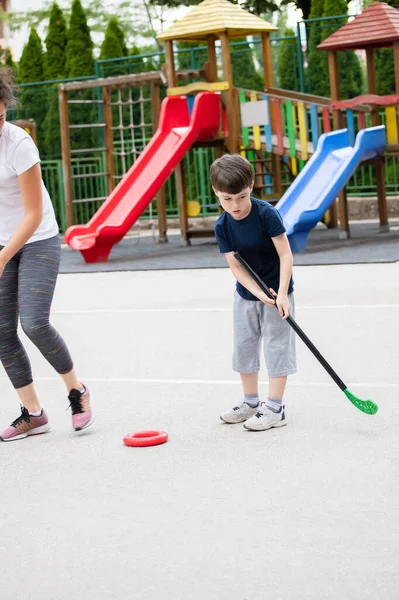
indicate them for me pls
(212, 74)
(230, 99)
(268, 76)
(66, 156)
(181, 194)
(267, 59)
(170, 64)
(375, 121)
(337, 123)
(109, 139)
(161, 196)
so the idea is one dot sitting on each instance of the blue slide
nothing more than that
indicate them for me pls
(324, 176)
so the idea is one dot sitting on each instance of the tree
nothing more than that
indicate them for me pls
(257, 7)
(114, 45)
(317, 61)
(56, 44)
(79, 50)
(31, 63)
(6, 58)
(79, 63)
(51, 125)
(135, 18)
(385, 65)
(32, 98)
(184, 57)
(245, 74)
(350, 71)
(287, 63)
(138, 66)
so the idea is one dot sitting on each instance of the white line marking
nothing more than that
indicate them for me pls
(317, 384)
(100, 311)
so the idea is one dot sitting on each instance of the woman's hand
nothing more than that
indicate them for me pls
(3, 263)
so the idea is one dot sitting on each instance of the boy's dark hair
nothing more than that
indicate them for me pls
(231, 174)
(7, 87)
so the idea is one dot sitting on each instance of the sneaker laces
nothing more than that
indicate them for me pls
(260, 413)
(75, 402)
(24, 416)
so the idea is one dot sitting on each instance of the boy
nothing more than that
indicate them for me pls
(255, 229)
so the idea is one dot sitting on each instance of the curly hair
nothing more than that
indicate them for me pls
(7, 87)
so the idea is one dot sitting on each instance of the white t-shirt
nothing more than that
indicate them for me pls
(18, 153)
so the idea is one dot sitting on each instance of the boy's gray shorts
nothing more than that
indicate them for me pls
(254, 322)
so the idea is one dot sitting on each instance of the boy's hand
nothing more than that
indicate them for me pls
(266, 300)
(283, 305)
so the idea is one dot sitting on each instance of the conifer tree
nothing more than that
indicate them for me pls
(288, 77)
(56, 43)
(79, 50)
(114, 45)
(245, 74)
(385, 65)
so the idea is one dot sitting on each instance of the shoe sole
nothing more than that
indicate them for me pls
(281, 424)
(233, 422)
(37, 431)
(87, 424)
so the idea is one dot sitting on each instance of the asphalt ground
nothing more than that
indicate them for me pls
(308, 511)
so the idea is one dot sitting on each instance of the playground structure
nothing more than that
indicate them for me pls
(276, 129)
(29, 126)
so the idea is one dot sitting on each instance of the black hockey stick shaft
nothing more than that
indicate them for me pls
(293, 324)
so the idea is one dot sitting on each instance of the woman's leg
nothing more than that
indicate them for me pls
(38, 272)
(12, 353)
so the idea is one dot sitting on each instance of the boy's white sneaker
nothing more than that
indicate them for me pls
(238, 414)
(266, 419)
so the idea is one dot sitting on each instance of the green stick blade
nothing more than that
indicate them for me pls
(367, 406)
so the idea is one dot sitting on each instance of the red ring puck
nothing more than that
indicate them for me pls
(145, 438)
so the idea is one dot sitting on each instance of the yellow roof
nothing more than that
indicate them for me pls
(213, 17)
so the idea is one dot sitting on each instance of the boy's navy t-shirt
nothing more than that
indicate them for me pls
(251, 237)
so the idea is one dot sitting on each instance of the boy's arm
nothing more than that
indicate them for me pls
(283, 248)
(246, 280)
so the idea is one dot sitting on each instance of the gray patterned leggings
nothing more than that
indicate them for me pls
(26, 291)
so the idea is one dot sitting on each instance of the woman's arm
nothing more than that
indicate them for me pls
(283, 248)
(246, 280)
(30, 184)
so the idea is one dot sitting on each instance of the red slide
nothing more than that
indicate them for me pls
(175, 135)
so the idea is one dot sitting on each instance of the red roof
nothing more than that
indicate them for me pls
(377, 26)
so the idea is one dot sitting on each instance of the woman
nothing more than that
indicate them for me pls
(30, 253)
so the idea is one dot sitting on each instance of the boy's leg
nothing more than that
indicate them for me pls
(280, 357)
(246, 357)
(250, 388)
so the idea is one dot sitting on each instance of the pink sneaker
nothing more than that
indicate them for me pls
(26, 425)
(82, 415)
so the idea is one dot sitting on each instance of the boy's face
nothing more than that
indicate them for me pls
(237, 205)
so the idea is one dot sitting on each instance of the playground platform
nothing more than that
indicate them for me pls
(140, 252)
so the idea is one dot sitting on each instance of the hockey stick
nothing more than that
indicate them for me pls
(367, 406)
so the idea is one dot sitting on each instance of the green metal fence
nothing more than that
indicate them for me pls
(40, 102)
